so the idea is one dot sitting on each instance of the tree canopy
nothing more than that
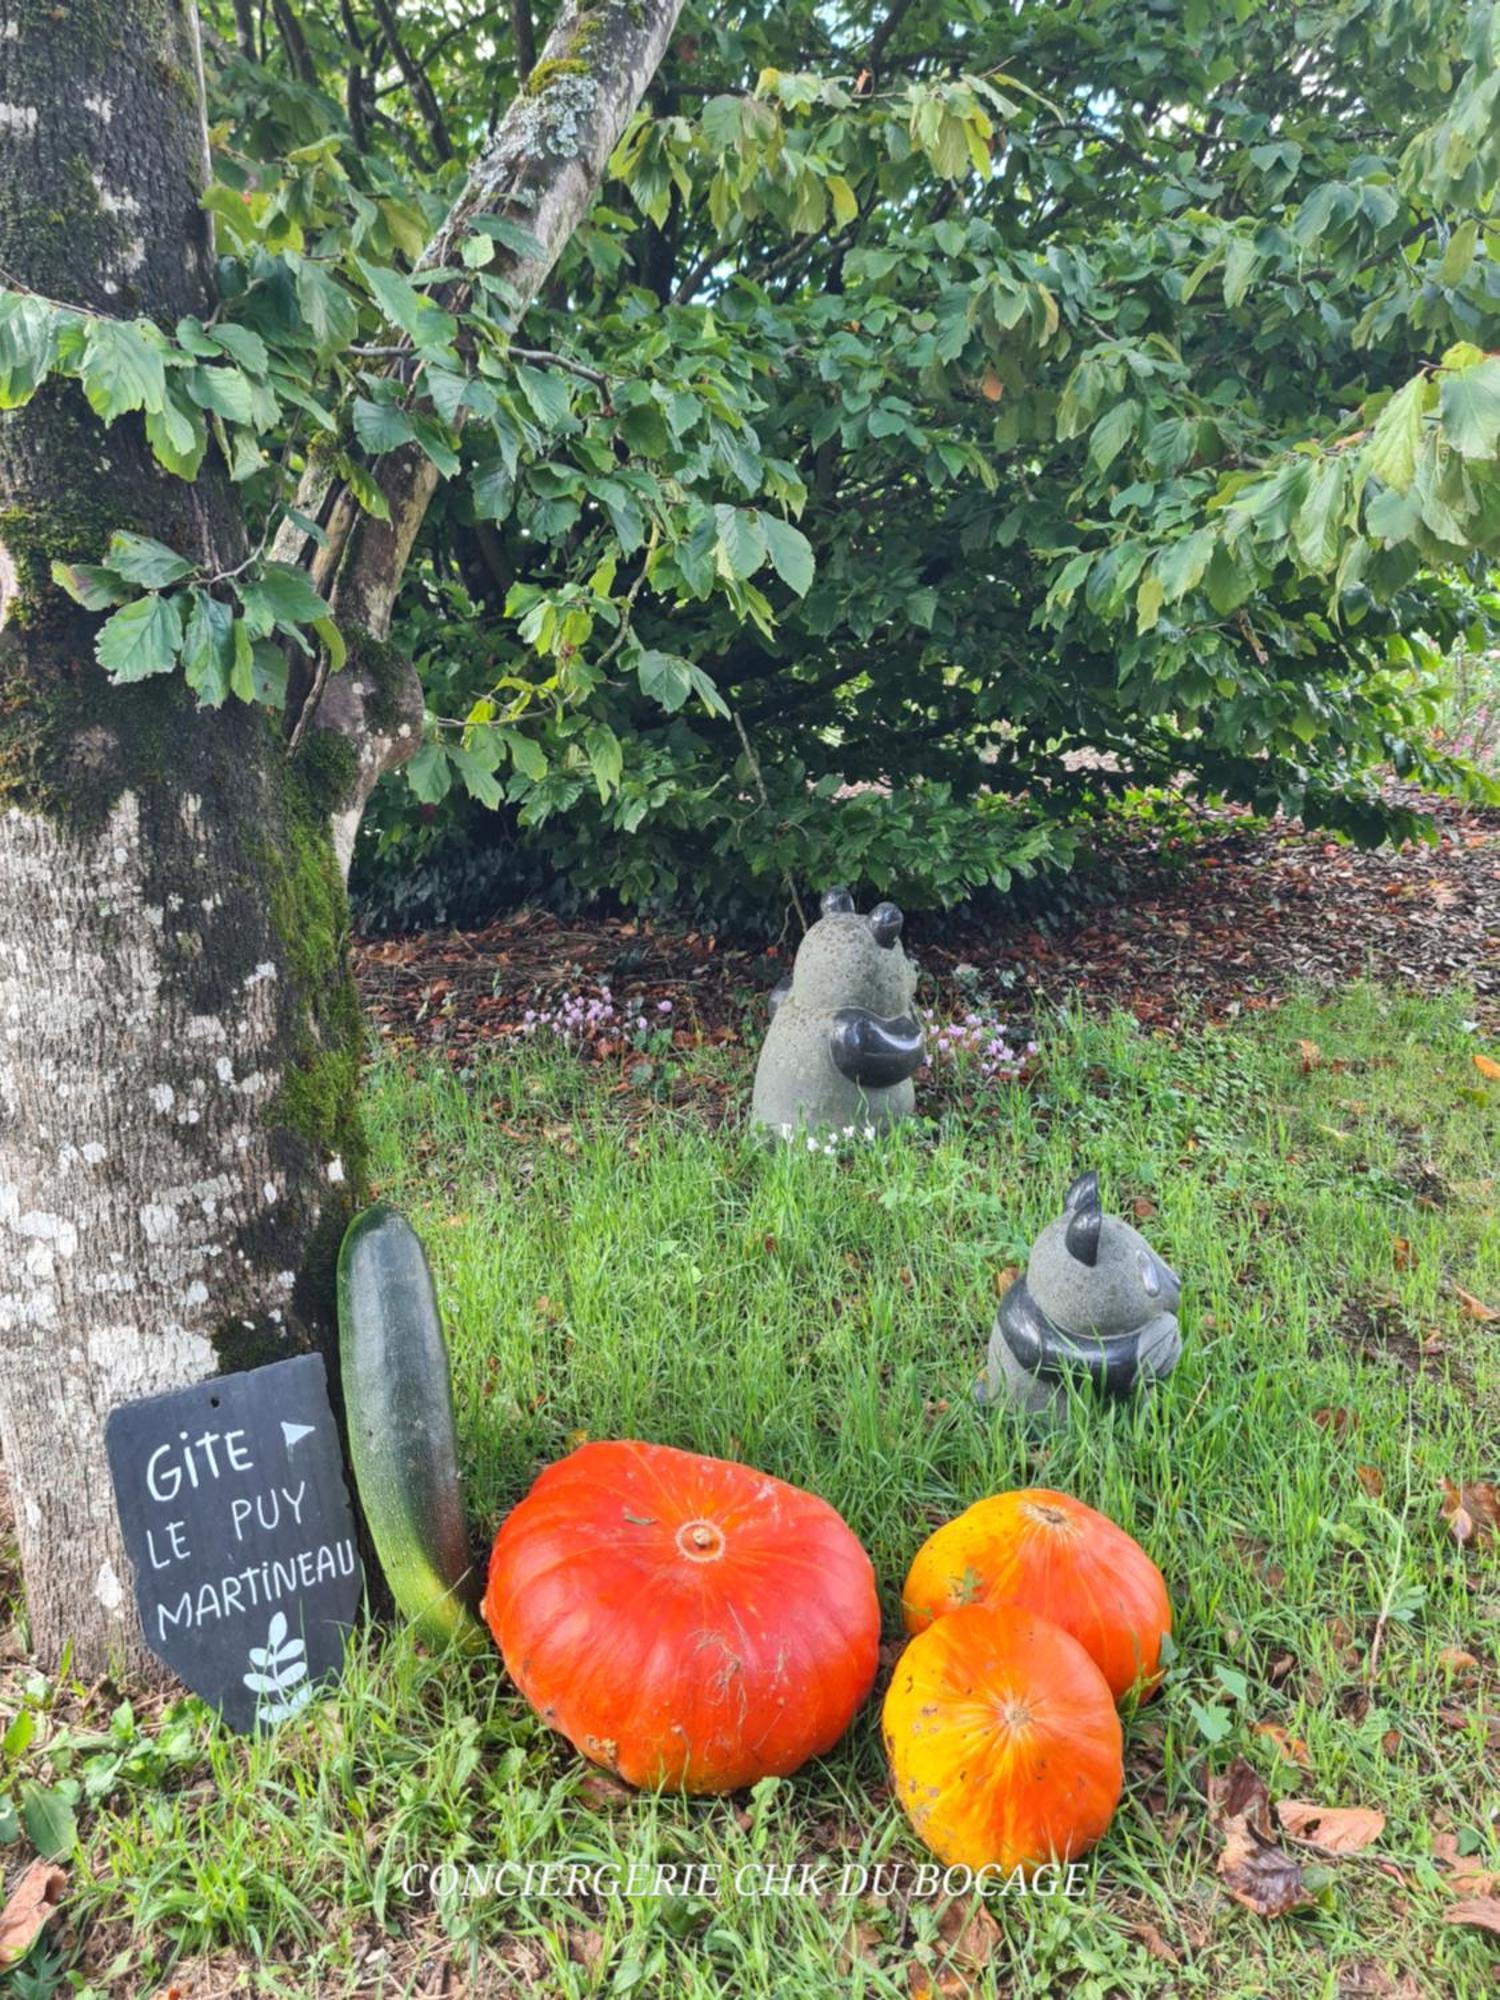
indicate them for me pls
(934, 391)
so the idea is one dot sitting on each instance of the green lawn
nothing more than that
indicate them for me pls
(611, 1265)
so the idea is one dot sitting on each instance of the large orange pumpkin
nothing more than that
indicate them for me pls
(1055, 1556)
(684, 1621)
(1004, 1744)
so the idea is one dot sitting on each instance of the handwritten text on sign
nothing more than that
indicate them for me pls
(237, 1520)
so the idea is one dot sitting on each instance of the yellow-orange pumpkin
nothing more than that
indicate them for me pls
(1004, 1744)
(684, 1621)
(1053, 1555)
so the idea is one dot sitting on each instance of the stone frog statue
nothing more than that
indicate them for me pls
(1097, 1305)
(844, 1042)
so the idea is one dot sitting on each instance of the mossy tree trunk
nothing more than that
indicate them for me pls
(179, 1033)
(178, 1029)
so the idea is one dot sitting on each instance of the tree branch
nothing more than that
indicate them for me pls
(423, 95)
(543, 166)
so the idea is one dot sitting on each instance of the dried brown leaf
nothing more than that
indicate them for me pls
(1484, 1911)
(1291, 1747)
(1456, 1660)
(1371, 1479)
(30, 1905)
(1475, 1308)
(1472, 1513)
(1487, 1066)
(1335, 1829)
(1255, 1871)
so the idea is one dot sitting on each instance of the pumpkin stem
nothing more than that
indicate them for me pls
(700, 1541)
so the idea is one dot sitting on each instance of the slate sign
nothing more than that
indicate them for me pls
(237, 1520)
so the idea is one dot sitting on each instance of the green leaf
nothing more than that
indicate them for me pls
(644, 429)
(178, 438)
(1240, 262)
(1391, 454)
(242, 344)
(208, 648)
(547, 392)
(425, 324)
(740, 547)
(529, 757)
(791, 552)
(26, 348)
(91, 585)
(492, 489)
(1180, 567)
(142, 639)
(289, 593)
(434, 441)
(333, 643)
(1459, 255)
(224, 390)
(50, 1821)
(511, 234)
(122, 369)
(478, 771)
(430, 774)
(606, 758)
(141, 560)
(1148, 603)
(1318, 530)
(1227, 584)
(1470, 404)
(380, 427)
(1112, 433)
(665, 679)
(331, 314)
(268, 674)
(365, 488)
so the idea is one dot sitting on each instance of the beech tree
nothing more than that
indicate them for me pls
(179, 1034)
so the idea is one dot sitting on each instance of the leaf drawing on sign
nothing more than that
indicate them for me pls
(279, 1671)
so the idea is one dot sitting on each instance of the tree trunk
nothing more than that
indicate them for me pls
(179, 1032)
(179, 1036)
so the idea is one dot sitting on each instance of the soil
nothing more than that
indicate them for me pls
(1235, 917)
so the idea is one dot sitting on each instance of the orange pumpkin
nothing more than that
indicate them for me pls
(1059, 1558)
(684, 1621)
(1004, 1744)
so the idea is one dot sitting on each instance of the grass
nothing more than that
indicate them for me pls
(1322, 1178)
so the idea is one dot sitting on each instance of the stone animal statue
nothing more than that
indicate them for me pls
(1097, 1306)
(844, 1042)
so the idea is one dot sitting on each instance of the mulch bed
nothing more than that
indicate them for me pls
(1252, 912)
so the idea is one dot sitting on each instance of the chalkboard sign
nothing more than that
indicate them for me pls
(237, 1520)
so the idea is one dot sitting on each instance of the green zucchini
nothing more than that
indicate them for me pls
(398, 1403)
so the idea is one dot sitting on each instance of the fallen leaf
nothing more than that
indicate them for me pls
(1475, 1308)
(1291, 1747)
(1311, 1055)
(29, 1906)
(586, 1948)
(1487, 1066)
(1456, 1660)
(1255, 1871)
(970, 1937)
(599, 1790)
(1481, 1910)
(1401, 1252)
(1338, 1421)
(1468, 1871)
(1471, 1512)
(1156, 1944)
(1336, 1829)
(1005, 1278)
(1371, 1479)
(1143, 1208)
